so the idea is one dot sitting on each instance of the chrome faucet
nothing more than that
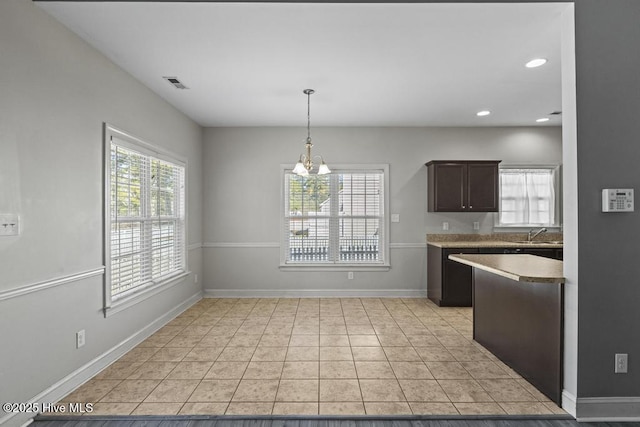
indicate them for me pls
(531, 235)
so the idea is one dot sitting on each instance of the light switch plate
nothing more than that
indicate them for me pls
(395, 217)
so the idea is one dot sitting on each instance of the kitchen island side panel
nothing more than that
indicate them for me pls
(521, 323)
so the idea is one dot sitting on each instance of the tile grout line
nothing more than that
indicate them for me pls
(205, 374)
(246, 367)
(200, 381)
(397, 380)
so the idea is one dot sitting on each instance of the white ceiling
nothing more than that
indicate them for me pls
(376, 64)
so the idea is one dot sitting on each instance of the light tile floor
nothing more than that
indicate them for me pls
(329, 356)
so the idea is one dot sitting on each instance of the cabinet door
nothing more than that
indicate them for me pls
(457, 281)
(482, 189)
(434, 273)
(449, 187)
(543, 252)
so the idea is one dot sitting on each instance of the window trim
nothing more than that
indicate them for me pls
(557, 188)
(385, 265)
(129, 141)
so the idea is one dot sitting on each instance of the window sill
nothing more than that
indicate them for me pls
(335, 267)
(135, 298)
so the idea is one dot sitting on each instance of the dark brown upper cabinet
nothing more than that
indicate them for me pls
(463, 186)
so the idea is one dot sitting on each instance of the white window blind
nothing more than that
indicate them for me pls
(527, 197)
(146, 217)
(333, 219)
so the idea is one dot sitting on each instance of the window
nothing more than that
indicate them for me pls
(145, 191)
(335, 219)
(528, 197)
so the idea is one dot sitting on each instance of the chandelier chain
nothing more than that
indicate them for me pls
(308, 115)
(308, 92)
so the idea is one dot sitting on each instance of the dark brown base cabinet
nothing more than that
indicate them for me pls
(553, 253)
(449, 283)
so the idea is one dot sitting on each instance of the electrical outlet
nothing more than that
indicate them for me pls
(621, 363)
(9, 225)
(476, 225)
(195, 278)
(445, 226)
(395, 217)
(80, 335)
(350, 275)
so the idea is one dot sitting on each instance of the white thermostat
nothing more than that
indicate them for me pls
(617, 200)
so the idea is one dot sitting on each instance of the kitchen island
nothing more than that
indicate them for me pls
(518, 314)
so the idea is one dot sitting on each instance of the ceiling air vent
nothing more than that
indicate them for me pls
(175, 82)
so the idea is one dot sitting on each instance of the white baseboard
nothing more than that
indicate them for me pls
(314, 293)
(83, 374)
(608, 409)
(569, 403)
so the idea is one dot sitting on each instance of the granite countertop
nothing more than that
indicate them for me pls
(519, 267)
(496, 244)
(496, 240)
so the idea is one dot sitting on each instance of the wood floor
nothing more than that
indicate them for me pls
(291, 421)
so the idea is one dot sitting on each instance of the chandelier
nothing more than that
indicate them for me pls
(305, 163)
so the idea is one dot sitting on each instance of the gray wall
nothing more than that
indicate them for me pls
(55, 93)
(608, 150)
(241, 242)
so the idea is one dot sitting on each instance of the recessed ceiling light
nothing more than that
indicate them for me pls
(542, 120)
(536, 63)
(483, 113)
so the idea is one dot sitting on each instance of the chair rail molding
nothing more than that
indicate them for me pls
(51, 283)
